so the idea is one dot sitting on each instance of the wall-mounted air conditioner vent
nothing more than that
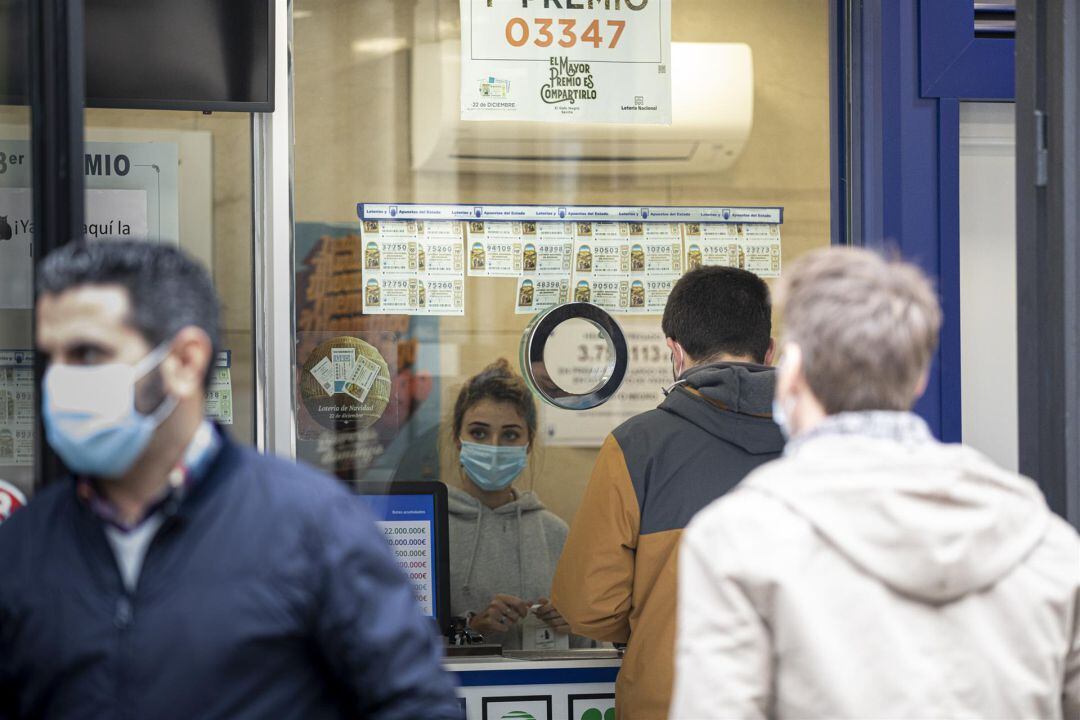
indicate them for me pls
(712, 113)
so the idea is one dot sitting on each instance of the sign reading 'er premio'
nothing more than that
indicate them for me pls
(600, 61)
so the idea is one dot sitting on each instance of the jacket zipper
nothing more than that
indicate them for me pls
(123, 619)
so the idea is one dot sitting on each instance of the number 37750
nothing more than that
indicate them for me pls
(566, 33)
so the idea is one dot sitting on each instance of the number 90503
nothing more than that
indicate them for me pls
(519, 32)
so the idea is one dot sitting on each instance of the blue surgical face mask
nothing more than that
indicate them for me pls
(493, 467)
(90, 416)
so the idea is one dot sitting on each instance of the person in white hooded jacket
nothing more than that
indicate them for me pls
(873, 572)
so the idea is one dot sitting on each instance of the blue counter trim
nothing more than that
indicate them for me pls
(555, 676)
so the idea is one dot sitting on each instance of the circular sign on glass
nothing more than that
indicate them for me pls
(345, 384)
(574, 356)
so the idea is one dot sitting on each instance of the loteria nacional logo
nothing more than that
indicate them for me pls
(596, 714)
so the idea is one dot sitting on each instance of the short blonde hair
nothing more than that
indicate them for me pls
(867, 328)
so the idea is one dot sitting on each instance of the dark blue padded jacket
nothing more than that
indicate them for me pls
(267, 593)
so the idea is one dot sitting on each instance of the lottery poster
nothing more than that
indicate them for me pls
(604, 64)
(496, 249)
(627, 267)
(656, 264)
(546, 267)
(755, 247)
(17, 408)
(535, 293)
(219, 393)
(413, 267)
(416, 258)
(761, 250)
(440, 248)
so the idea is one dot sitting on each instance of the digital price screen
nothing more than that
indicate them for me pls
(408, 522)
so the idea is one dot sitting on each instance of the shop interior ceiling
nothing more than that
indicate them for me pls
(713, 97)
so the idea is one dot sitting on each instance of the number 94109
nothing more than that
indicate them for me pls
(545, 32)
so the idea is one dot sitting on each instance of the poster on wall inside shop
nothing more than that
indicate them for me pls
(131, 194)
(578, 353)
(592, 61)
(413, 267)
(17, 408)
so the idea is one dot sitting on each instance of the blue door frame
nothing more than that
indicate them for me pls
(903, 67)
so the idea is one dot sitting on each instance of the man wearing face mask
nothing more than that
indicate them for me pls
(874, 572)
(616, 580)
(176, 574)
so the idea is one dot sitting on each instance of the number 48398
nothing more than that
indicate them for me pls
(518, 33)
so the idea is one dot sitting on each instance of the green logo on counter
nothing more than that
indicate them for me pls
(595, 714)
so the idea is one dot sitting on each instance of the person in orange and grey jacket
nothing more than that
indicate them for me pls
(616, 580)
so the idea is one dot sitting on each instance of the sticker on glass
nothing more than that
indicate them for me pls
(537, 293)
(609, 294)
(495, 249)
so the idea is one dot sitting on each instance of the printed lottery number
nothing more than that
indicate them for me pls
(599, 352)
(647, 353)
(518, 33)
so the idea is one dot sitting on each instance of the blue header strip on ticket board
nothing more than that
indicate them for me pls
(17, 358)
(570, 213)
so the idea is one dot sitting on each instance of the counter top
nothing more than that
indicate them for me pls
(476, 664)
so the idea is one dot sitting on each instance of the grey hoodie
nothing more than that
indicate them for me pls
(512, 549)
(876, 573)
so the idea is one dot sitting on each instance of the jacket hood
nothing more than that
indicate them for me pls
(731, 401)
(464, 505)
(934, 522)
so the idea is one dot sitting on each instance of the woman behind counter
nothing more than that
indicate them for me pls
(504, 544)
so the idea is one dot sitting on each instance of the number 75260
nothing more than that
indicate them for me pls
(519, 32)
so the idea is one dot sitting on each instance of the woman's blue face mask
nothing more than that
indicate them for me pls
(493, 467)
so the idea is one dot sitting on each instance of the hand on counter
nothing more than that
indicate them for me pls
(504, 612)
(551, 616)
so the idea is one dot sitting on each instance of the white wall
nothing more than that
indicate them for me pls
(988, 279)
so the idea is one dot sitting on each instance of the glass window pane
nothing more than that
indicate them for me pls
(184, 178)
(377, 120)
(17, 409)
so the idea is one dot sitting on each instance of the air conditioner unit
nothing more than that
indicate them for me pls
(713, 110)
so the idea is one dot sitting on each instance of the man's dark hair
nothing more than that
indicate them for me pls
(720, 310)
(167, 289)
